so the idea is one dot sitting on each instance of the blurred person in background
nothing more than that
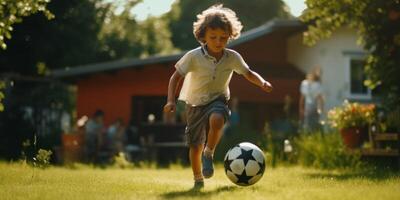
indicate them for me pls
(94, 131)
(311, 101)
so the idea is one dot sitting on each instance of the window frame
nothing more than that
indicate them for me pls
(350, 56)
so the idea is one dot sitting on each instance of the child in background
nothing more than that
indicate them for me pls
(207, 71)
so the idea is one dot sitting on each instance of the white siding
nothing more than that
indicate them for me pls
(332, 55)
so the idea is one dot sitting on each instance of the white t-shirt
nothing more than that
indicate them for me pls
(310, 90)
(205, 78)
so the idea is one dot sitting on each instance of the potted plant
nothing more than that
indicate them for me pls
(352, 120)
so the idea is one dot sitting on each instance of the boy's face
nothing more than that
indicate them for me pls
(216, 39)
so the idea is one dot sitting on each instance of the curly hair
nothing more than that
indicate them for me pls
(214, 17)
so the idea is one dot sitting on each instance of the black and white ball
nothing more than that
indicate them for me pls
(244, 164)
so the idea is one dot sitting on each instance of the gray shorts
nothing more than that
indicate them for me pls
(198, 120)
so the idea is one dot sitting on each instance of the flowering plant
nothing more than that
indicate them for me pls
(351, 115)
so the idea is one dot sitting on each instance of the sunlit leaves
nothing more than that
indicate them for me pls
(123, 36)
(41, 68)
(12, 12)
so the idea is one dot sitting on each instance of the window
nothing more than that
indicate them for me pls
(356, 77)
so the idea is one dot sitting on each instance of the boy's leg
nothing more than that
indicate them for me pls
(195, 161)
(216, 122)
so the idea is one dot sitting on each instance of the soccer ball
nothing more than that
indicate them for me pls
(244, 164)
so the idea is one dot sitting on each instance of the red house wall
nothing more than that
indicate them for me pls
(269, 50)
(112, 92)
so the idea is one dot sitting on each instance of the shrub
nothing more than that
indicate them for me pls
(325, 151)
(42, 158)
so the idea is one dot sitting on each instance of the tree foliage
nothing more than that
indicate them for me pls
(251, 13)
(123, 36)
(13, 11)
(70, 39)
(38, 44)
(378, 25)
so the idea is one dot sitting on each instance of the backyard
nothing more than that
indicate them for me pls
(103, 124)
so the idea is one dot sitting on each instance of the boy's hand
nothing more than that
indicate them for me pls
(266, 86)
(170, 107)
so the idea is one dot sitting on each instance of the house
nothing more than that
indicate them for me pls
(132, 89)
(341, 61)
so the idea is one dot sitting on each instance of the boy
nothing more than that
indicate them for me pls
(207, 71)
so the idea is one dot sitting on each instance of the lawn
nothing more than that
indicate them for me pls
(19, 181)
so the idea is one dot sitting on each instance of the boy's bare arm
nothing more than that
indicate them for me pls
(173, 84)
(256, 79)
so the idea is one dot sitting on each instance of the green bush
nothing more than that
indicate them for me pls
(325, 151)
(42, 158)
(319, 150)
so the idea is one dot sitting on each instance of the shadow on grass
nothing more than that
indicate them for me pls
(380, 175)
(196, 193)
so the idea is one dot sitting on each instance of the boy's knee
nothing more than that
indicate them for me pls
(196, 147)
(216, 121)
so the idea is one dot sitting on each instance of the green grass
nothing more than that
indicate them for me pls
(18, 181)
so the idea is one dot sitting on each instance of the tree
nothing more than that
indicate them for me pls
(12, 12)
(70, 39)
(378, 25)
(122, 36)
(36, 46)
(251, 13)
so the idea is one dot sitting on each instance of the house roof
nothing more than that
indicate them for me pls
(267, 28)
